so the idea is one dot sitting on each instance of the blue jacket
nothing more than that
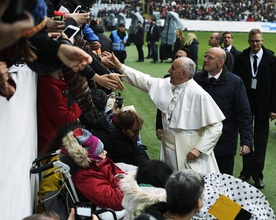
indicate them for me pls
(89, 34)
(230, 95)
(117, 42)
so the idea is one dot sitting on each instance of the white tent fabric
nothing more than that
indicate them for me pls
(172, 22)
(134, 21)
(121, 19)
(18, 143)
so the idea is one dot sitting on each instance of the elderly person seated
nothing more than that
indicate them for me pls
(184, 191)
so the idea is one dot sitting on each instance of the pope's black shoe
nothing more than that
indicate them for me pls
(259, 184)
(244, 177)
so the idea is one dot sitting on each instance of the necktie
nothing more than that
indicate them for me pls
(255, 63)
(212, 79)
(226, 49)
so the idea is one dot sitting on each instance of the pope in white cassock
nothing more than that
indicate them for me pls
(192, 121)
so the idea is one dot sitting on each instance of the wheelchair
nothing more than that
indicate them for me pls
(67, 196)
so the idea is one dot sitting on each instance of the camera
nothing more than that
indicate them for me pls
(119, 100)
(83, 210)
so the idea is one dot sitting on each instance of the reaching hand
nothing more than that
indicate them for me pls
(112, 60)
(74, 57)
(55, 26)
(105, 60)
(10, 33)
(80, 18)
(94, 45)
(6, 88)
(110, 81)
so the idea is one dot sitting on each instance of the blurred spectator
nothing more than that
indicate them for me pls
(106, 42)
(139, 41)
(148, 40)
(263, 11)
(119, 39)
(192, 44)
(154, 37)
(178, 42)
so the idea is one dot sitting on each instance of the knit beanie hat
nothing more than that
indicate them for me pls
(82, 147)
(38, 10)
(99, 98)
(91, 143)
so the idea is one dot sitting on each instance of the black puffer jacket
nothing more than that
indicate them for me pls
(118, 146)
(230, 95)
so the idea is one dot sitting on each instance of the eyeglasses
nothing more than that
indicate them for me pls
(205, 56)
(135, 131)
(254, 41)
(178, 56)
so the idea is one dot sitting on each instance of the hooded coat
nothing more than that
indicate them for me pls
(96, 179)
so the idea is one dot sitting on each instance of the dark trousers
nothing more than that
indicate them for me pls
(253, 163)
(154, 51)
(149, 50)
(140, 52)
(226, 164)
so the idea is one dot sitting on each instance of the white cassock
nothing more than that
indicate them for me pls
(190, 117)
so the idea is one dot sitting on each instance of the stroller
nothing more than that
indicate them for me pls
(66, 197)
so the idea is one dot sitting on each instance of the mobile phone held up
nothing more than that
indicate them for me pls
(70, 31)
(81, 9)
(83, 210)
(58, 16)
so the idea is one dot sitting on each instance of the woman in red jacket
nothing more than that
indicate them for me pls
(53, 107)
(97, 177)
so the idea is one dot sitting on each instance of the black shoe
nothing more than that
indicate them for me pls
(153, 61)
(244, 177)
(259, 184)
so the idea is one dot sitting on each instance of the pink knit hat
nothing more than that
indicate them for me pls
(82, 147)
(93, 145)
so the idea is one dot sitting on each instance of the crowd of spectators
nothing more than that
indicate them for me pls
(246, 10)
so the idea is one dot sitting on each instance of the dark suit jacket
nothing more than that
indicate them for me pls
(139, 36)
(229, 62)
(234, 52)
(262, 99)
(155, 33)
